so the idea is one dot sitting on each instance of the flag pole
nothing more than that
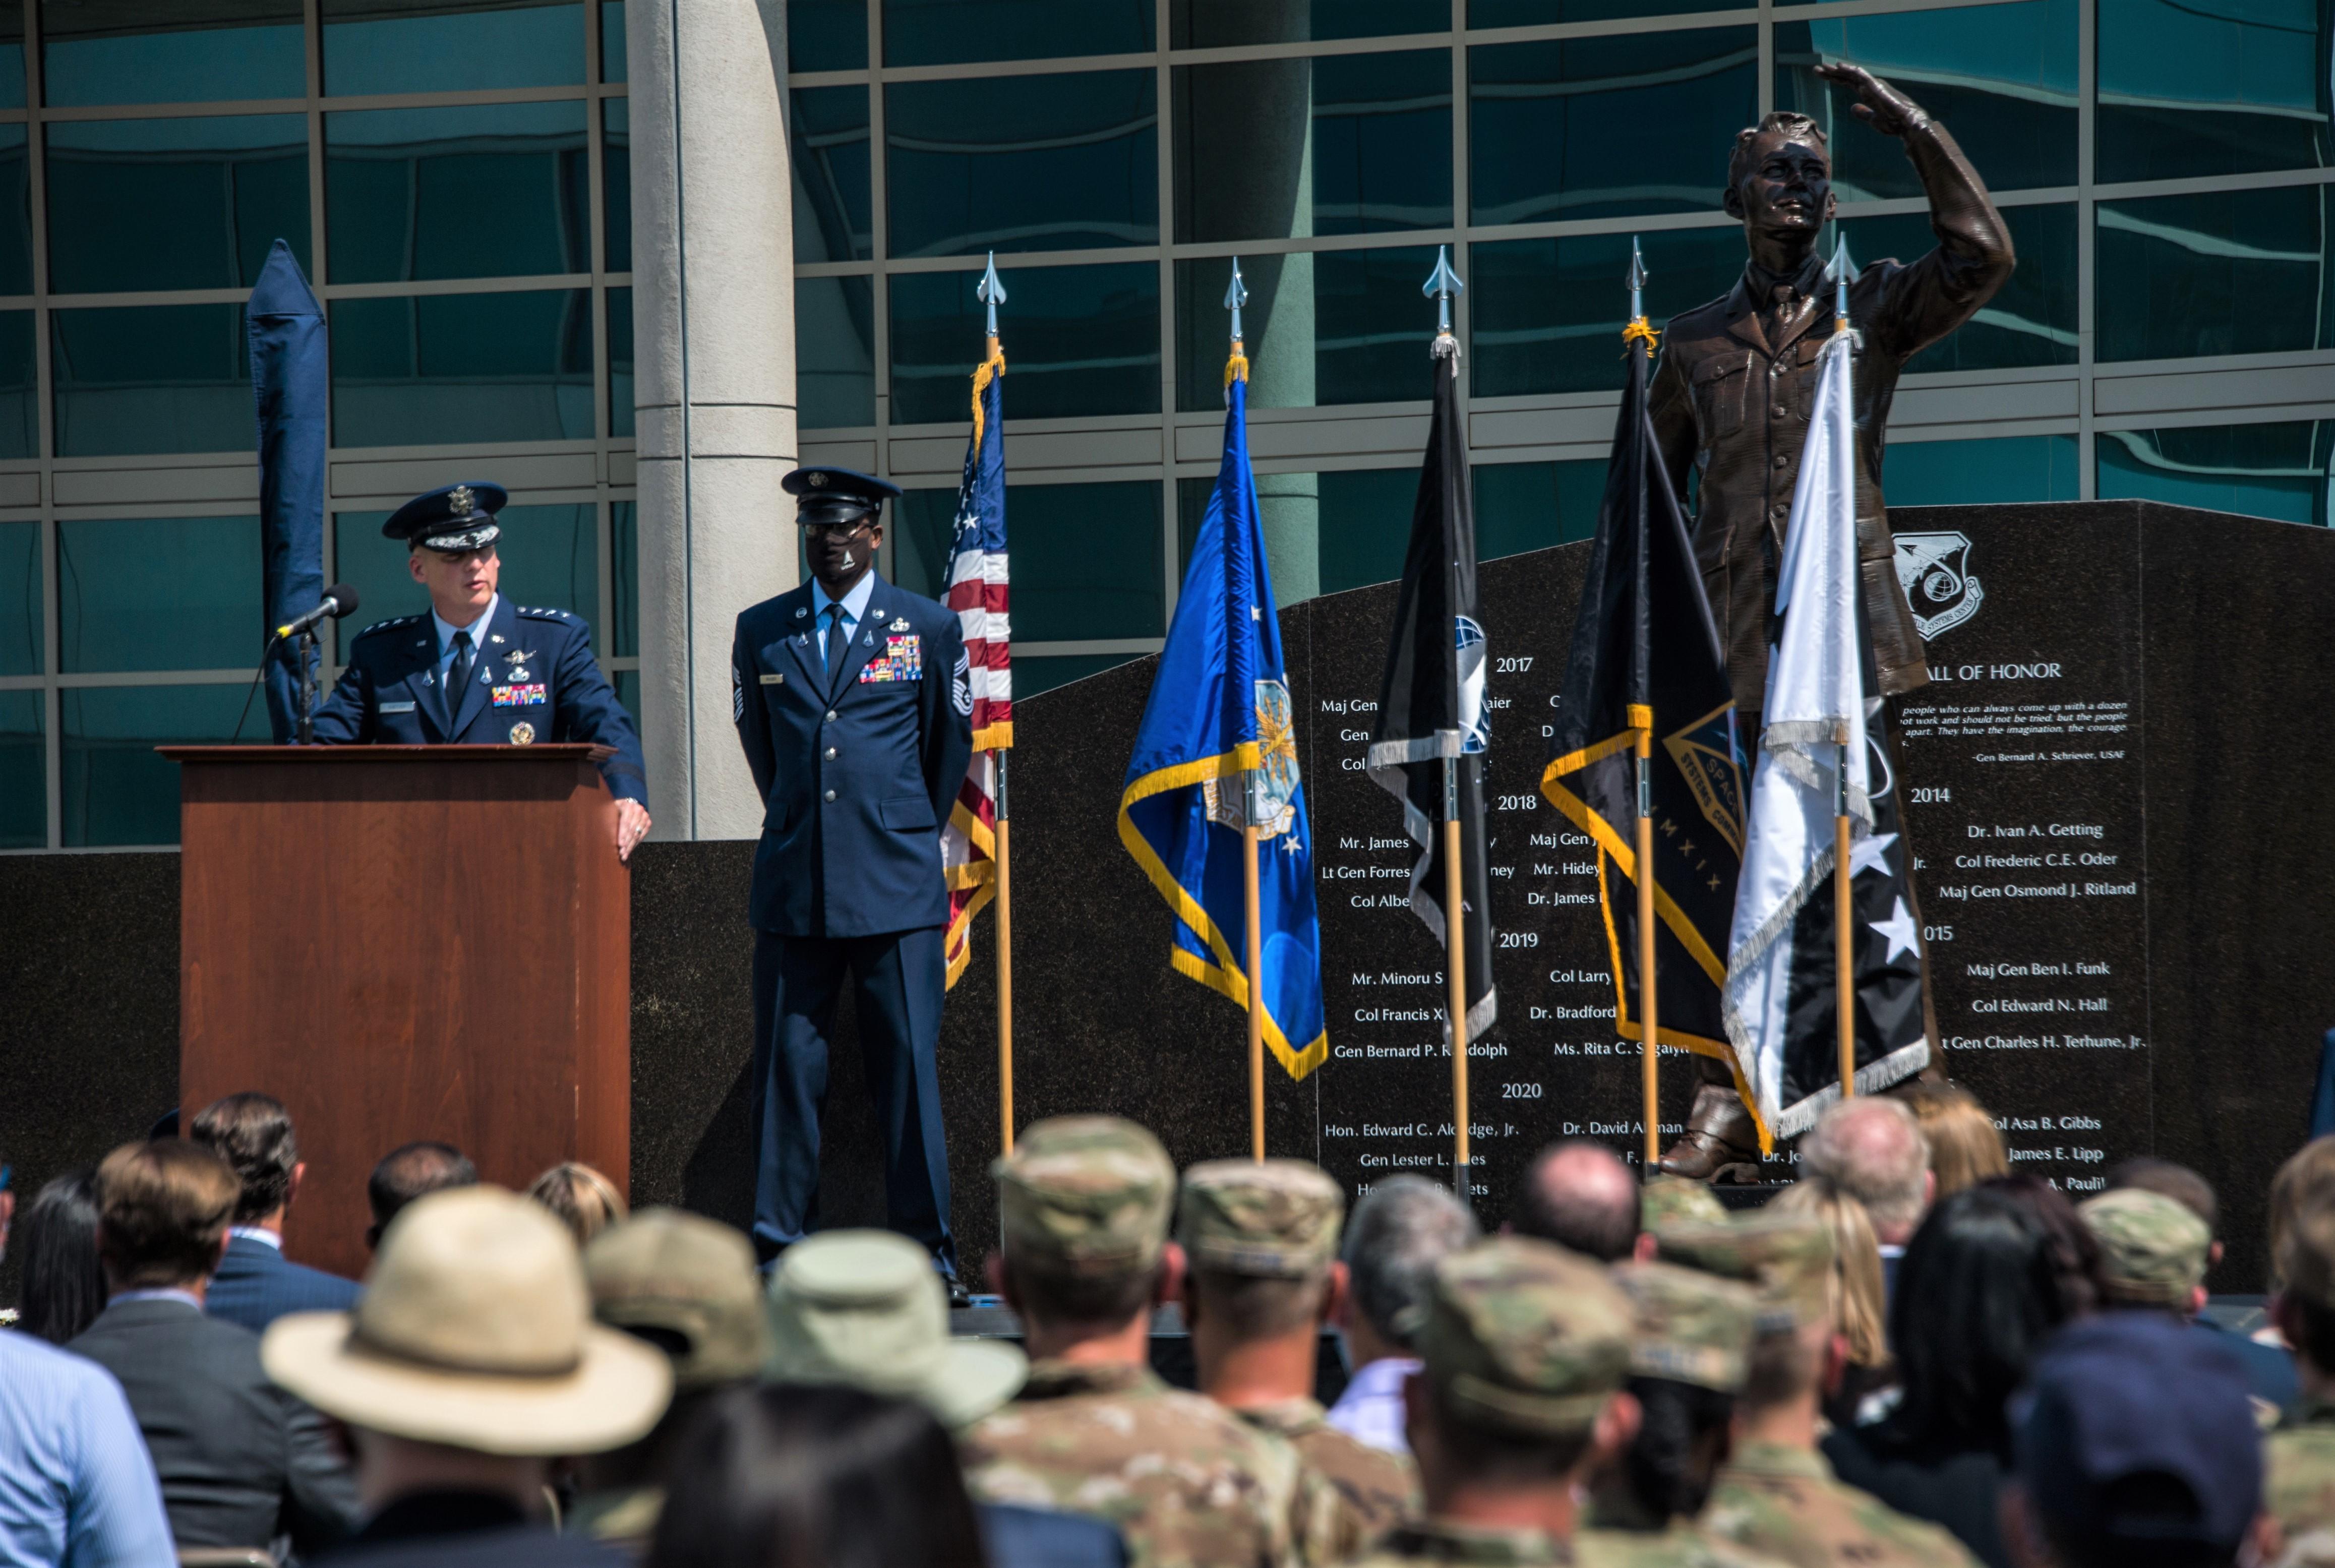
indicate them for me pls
(991, 292)
(1649, 1071)
(1456, 968)
(1252, 804)
(1843, 912)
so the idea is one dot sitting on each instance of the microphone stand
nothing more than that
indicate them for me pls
(305, 651)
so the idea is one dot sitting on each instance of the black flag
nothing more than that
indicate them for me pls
(1431, 702)
(1646, 655)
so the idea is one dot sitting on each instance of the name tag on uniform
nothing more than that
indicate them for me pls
(397, 707)
(903, 659)
(520, 696)
(778, 679)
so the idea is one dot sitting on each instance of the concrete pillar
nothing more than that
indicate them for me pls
(714, 381)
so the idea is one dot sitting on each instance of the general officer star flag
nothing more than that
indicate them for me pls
(1781, 1012)
(977, 590)
(1646, 656)
(1431, 700)
(1220, 708)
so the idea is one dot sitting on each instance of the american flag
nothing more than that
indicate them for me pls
(984, 679)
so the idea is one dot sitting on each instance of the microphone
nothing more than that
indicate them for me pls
(339, 600)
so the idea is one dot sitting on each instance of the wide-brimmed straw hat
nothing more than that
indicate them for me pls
(864, 1307)
(475, 1330)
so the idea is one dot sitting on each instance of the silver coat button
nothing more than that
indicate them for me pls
(829, 795)
(828, 753)
(830, 715)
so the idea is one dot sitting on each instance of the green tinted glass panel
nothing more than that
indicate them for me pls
(550, 556)
(620, 361)
(1086, 561)
(2282, 470)
(835, 350)
(829, 147)
(617, 182)
(2002, 79)
(96, 52)
(1229, 23)
(1040, 163)
(952, 33)
(1343, 326)
(923, 526)
(1366, 522)
(159, 594)
(1534, 13)
(116, 790)
(624, 591)
(20, 599)
(24, 772)
(15, 212)
(1593, 127)
(1374, 153)
(612, 39)
(2193, 89)
(1547, 313)
(2031, 320)
(12, 57)
(628, 683)
(19, 407)
(1033, 674)
(2222, 272)
(392, 46)
(827, 34)
(460, 367)
(481, 190)
(1985, 472)
(1371, 326)
(1523, 506)
(1084, 340)
(155, 204)
(169, 378)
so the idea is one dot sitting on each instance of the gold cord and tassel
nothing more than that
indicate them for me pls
(987, 370)
(1640, 330)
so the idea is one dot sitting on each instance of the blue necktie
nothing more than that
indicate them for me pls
(838, 642)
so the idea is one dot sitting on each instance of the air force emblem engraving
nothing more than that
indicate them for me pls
(1934, 571)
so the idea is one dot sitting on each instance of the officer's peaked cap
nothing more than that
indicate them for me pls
(451, 518)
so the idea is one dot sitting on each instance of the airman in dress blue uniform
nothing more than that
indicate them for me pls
(853, 702)
(478, 669)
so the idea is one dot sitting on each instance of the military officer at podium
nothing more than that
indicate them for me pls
(478, 669)
(853, 702)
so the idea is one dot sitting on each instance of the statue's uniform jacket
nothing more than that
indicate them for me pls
(1734, 405)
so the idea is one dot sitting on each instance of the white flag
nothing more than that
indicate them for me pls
(1815, 713)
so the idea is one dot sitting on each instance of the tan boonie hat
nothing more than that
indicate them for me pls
(1787, 1259)
(1691, 1327)
(475, 1330)
(1085, 1194)
(865, 1308)
(1524, 1337)
(689, 1277)
(2306, 1255)
(2152, 1249)
(1668, 1200)
(1274, 1219)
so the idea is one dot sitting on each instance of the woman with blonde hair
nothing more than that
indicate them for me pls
(582, 1199)
(1861, 1311)
(1965, 1149)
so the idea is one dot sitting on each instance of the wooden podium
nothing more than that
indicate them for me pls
(403, 943)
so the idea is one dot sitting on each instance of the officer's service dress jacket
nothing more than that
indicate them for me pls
(532, 680)
(856, 767)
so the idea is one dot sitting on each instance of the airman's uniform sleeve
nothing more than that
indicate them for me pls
(346, 717)
(947, 720)
(746, 709)
(595, 715)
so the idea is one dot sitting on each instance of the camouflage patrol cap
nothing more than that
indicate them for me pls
(1672, 1200)
(1524, 1338)
(1270, 1219)
(690, 1280)
(1786, 1258)
(1088, 1195)
(2152, 1249)
(1692, 1327)
(2306, 1255)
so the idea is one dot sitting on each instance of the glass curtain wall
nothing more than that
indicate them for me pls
(2164, 167)
(454, 179)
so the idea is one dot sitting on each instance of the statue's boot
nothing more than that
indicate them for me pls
(1721, 1143)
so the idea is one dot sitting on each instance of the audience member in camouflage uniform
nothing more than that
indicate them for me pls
(2300, 1492)
(1084, 1205)
(1776, 1495)
(2152, 1250)
(1669, 1200)
(1261, 1244)
(1686, 1365)
(1525, 1347)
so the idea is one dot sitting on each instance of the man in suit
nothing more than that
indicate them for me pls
(477, 669)
(853, 702)
(241, 1464)
(411, 1171)
(256, 1283)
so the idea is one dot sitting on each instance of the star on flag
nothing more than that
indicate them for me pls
(1899, 928)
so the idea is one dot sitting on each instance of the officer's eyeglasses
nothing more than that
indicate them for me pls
(844, 531)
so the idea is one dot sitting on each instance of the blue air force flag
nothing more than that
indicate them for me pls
(1220, 709)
